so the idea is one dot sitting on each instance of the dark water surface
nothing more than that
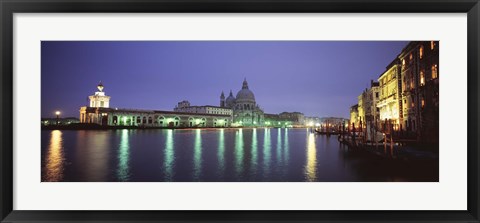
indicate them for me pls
(224, 155)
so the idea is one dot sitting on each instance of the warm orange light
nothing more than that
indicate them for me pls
(434, 71)
(57, 113)
(422, 78)
(55, 158)
(421, 52)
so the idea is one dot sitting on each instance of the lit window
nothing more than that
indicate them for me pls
(403, 62)
(434, 71)
(423, 103)
(411, 57)
(422, 78)
(432, 45)
(421, 52)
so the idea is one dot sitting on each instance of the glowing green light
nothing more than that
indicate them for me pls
(266, 151)
(254, 151)
(239, 152)
(221, 152)
(169, 156)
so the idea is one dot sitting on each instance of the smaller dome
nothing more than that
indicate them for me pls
(230, 99)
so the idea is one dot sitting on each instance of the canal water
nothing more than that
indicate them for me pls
(214, 155)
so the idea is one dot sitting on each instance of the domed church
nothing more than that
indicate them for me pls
(246, 112)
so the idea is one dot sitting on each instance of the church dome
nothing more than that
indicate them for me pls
(245, 94)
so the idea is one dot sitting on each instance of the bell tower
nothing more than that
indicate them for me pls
(99, 99)
(222, 100)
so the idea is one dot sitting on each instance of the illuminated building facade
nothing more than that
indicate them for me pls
(407, 94)
(312, 121)
(296, 118)
(184, 106)
(389, 104)
(246, 112)
(99, 99)
(285, 119)
(420, 95)
(361, 109)
(372, 97)
(367, 104)
(354, 117)
(102, 114)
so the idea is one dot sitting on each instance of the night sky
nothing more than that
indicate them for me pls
(317, 78)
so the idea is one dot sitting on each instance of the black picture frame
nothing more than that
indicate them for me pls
(9, 7)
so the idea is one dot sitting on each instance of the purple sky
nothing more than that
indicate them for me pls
(317, 78)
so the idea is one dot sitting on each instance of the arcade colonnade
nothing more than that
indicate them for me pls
(151, 118)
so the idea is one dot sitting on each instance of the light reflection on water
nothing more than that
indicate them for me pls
(55, 159)
(266, 153)
(123, 157)
(211, 155)
(311, 167)
(221, 153)
(197, 155)
(279, 147)
(169, 158)
(286, 147)
(239, 152)
(254, 153)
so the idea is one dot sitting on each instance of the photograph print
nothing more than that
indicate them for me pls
(240, 111)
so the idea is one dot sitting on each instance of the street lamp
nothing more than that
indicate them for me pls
(58, 115)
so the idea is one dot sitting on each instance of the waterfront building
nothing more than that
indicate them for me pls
(354, 117)
(102, 114)
(312, 121)
(274, 120)
(361, 110)
(246, 112)
(99, 99)
(285, 119)
(297, 119)
(390, 104)
(367, 104)
(184, 106)
(420, 95)
(406, 97)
